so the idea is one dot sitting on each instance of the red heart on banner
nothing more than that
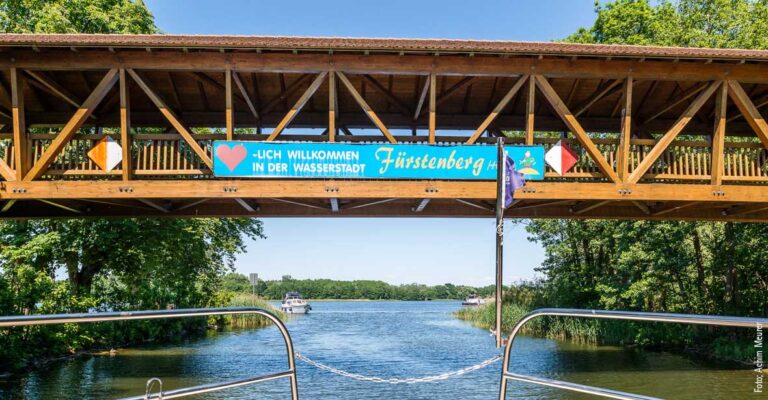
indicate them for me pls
(231, 157)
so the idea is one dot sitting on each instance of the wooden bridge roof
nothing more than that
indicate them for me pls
(623, 108)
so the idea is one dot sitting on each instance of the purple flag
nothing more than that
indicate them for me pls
(513, 180)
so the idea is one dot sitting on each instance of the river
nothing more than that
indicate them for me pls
(387, 339)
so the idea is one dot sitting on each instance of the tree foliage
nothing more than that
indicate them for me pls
(359, 289)
(670, 266)
(688, 23)
(76, 16)
(59, 266)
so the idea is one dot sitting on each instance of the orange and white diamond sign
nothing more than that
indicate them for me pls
(106, 154)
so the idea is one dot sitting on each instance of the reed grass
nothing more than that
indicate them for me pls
(484, 316)
(245, 321)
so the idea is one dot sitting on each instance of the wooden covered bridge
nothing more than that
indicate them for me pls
(662, 133)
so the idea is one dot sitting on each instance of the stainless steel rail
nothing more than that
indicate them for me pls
(506, 375)
(290, 373)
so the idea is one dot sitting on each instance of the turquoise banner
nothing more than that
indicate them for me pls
(235, 159)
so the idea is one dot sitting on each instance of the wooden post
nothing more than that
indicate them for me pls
(432, 106)
(332, 106)
(499, 235)
(529, 117)
(20, 142)
(622, 158)
(230, 119)
(125, 125)
(718, 137)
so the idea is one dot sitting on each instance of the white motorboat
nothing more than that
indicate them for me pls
(473, 300)
(294, 304)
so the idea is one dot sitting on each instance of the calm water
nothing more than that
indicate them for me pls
(388, 339)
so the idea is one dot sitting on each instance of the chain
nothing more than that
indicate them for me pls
(397, 381)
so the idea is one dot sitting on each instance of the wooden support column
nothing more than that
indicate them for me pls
(750, 112)
(20, 141)
(497, 110)
(364, 105)
(300, 103)
(672, 133)
(718, 137)
(432, 106)
(171, 117)
(69, 130)
(530, 111)
(570, 120)
(125, 126)
(229, 114)
(622, 159)
(332, 107)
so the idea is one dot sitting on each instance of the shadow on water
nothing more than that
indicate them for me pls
(387, 339)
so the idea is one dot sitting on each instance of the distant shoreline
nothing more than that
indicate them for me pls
(364, 300)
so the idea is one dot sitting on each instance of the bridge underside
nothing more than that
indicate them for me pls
(661, 133)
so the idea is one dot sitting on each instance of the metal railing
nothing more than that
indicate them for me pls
(290, 373)
(506, 375)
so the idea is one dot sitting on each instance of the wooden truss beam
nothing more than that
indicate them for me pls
(432, 107)
(530, 114)
(387, 64)
(692, 91)
(293, 87)
(672, 133)
(748, 109)
(570, 121)
(300, 103)
(229, 112)
(422, 97)
(480, 190)
(332, 107)
(622, 157)
(246, 96)
(125, 127)
(586, 206)
(21, 150)
(388, 95)
(171, 117)
(364, 105)
(605, 90)
(69, 130)
(718, 137)
(498, 109)
(47, 83)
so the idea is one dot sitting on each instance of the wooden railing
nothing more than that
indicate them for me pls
(167, 156)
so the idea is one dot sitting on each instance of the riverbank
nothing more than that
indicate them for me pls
(719, 344)
(110, 338)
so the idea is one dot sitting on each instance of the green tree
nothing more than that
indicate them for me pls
(76, 16)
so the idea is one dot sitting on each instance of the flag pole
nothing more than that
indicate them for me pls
(500, 164)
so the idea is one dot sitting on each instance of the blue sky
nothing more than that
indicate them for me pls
(430, 251)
